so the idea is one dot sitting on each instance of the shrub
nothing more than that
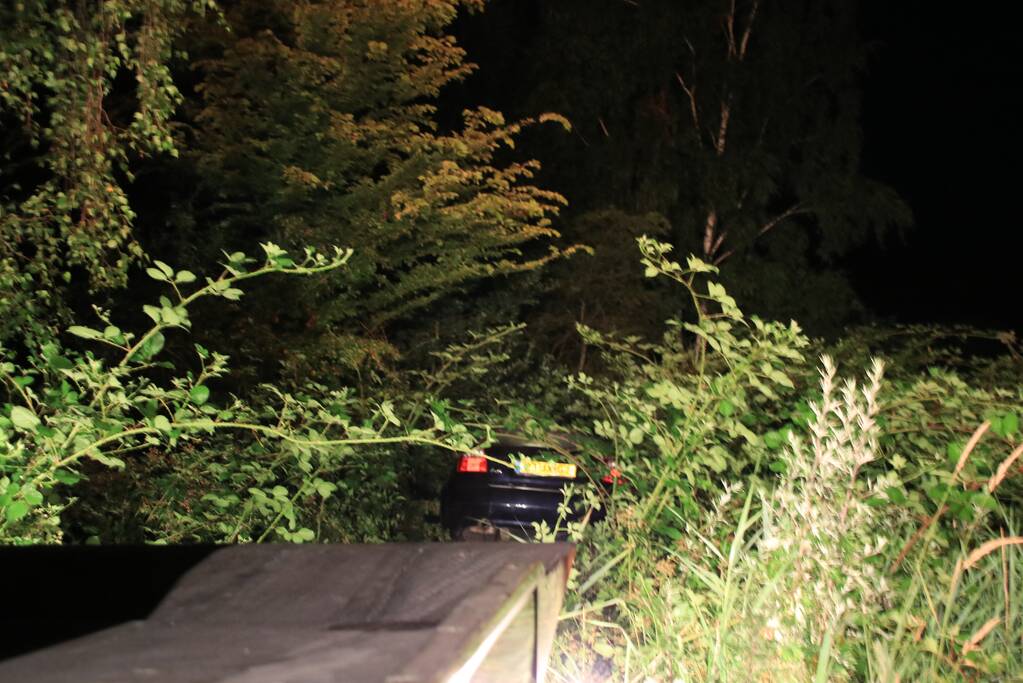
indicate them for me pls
(768, 529)
(218, 470)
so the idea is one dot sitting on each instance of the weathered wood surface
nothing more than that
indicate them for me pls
(395, 613)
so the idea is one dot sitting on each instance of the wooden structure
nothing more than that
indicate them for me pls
(394, 613)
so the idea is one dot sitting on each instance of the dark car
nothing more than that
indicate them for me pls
(512, 484)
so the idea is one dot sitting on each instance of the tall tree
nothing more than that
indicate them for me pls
(317, 127)
(738, 120)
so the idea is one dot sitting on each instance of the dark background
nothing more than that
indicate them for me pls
(940, 103)
(941, 123)
(56, 593)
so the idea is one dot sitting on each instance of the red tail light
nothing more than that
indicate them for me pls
(613, 477)
(472, 463)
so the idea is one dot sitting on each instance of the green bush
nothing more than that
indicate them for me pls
(213, 468)
(772, 527)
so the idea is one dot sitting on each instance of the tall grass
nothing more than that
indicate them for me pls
(816, 575)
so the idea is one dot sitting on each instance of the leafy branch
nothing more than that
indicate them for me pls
(70, 407)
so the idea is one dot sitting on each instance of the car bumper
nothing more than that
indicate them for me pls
(507, 507)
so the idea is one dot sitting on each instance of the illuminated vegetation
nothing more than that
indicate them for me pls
(775, 522)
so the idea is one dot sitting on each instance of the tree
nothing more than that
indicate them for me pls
(316, 126)
(737, 120)
(64, 212)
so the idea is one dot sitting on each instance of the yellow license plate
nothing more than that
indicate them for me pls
(539, 468)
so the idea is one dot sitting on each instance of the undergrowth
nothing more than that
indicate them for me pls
(775, 526)
(771, 521)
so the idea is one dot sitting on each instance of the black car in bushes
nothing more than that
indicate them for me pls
(503, 489)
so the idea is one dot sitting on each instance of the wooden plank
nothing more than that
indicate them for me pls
(288, 614)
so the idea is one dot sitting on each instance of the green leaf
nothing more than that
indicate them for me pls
(16, 510)
(305, 534)
(670, 532)
(272, 251)
(802, 414)
(162, 423)
(170, 316)
(185, 277)
(150, 348)
(156, 274)
(155, 345)
(32, 496)
(153, 312)
(66, 477)
(23, 418)
(167, 270)
(1010, 423)
(148, 408)
(896, 495)
(772, 440)
(726, 408)
(232, 294)
(716, 459)
(953, 451)
(324, 488)
(636, 436)
(984, 500)
(59, 362)
(199, 394)
(84, 332)
(937, 492)
(962, 513)
(782, 379)
(387, 410)
(108, 460)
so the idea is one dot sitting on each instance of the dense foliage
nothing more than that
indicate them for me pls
(70, 142)
(776, 525)
(316, 127)
(771, 521)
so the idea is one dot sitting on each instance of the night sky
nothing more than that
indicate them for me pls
(942, 127)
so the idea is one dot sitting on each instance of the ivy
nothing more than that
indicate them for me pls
(60, 62)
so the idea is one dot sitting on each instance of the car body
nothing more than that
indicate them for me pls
(487, 497)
